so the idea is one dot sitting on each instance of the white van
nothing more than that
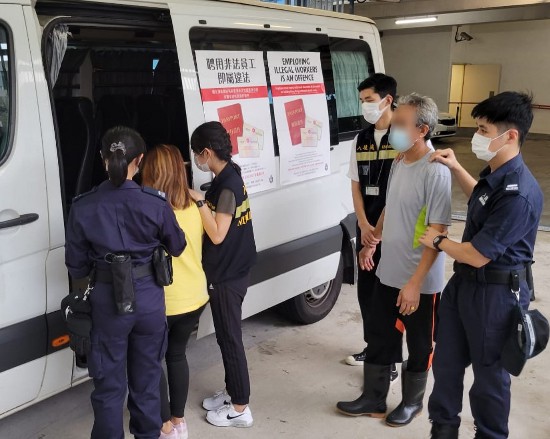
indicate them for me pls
(69, 70)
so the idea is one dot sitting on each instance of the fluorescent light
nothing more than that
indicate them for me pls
(413, 20)
(3, 46)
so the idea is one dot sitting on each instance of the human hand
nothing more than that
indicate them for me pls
(446, 157)
(427, 239)
(196, 195)
(367, 236)
(408, 300)
(365, 258)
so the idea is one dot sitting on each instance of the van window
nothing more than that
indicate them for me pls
(273, 41)
(351, 63)
(5, 87)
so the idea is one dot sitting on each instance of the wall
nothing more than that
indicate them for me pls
(521, 48)
(420, 61)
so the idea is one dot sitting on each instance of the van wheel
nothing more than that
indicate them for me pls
(315, 304)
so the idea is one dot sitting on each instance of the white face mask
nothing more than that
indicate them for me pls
(202, 166)
(400, 140)
(481, 144)
(372, 112)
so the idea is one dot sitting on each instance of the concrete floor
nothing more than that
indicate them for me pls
(297, 377)
(536, 153)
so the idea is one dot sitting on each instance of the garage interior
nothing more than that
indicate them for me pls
(485, 46)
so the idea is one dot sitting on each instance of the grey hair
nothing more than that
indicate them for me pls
(426, 111)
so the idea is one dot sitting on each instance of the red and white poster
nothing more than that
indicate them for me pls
(234, 92)
(301, 115)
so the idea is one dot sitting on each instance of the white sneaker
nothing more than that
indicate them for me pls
(219, 399)
(227, 416)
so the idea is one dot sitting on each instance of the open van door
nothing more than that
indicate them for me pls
(24, 232)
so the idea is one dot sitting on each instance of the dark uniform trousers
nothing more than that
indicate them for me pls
(126, 352)
(226, 300)
(386, 328)
(366, 281)
(473, 323)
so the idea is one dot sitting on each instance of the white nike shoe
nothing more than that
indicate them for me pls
(227, 416)
(219, 399)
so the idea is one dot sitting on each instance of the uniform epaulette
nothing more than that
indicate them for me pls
(85, 194)
(511, 182)
(154, 192)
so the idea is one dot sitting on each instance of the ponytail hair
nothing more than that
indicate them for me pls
(119, 147)
(214, 136)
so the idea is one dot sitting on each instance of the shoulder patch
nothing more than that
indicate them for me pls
(85, 194)
(154, 192)
(511, 182)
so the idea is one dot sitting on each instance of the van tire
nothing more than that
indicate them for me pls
(307, 307)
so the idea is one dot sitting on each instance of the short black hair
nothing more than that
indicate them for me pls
(382, 84)
(509, 109)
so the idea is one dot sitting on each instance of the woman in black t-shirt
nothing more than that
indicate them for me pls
(229, 251)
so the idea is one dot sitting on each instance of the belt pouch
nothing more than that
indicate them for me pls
(123, 283)
(162, 264)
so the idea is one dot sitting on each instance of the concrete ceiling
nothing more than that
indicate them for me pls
(453, 12)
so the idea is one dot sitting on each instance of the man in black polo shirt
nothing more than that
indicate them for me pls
(369, 169)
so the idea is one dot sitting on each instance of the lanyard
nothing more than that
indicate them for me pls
(381, 165)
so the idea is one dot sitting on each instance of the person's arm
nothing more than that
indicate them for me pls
(77, 248)
(359, 206)
(365, 227)
(379, 226)
(409, 296)
(215, 226)
(463, 252)
(171, 235)
(510, 219)
(448, 158)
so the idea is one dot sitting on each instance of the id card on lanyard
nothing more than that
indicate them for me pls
(373, 190)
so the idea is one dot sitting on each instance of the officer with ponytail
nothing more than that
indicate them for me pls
(112, 234)
(229, 252)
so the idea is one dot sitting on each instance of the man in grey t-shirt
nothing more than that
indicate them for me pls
(409, 275)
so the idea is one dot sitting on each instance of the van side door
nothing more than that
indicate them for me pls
(24, 231)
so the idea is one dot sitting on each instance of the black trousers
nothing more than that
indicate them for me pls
(180, 328)
(366, 281)
(226, 301)
(474, 322)
(387, 326)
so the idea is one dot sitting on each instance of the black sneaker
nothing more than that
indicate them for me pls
(356, 359)
(393, 374)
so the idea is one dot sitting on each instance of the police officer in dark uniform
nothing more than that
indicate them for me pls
(119, 224)
(229, 252)
(476, 310)
(369, 170)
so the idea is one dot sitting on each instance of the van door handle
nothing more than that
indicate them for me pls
(27, 218)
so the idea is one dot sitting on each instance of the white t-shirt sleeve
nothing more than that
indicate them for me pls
(353, 172)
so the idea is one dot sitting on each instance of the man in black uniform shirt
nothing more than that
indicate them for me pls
(477, 305)
(370, 164)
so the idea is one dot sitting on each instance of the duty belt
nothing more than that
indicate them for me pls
(503, 277)
(138, 272)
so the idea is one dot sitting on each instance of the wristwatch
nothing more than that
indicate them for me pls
(437, 240)
(200, 203)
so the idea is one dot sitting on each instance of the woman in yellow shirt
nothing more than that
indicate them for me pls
(187, 297)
